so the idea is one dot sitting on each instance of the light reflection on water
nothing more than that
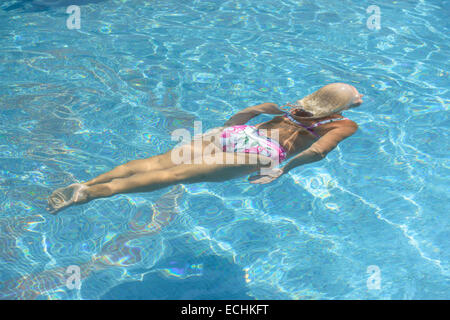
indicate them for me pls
(76, 104)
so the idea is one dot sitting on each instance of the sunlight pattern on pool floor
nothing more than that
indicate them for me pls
(74, 104)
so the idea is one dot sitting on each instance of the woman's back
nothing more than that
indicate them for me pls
(295, 138)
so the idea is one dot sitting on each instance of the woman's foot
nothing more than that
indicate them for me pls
(63, 197)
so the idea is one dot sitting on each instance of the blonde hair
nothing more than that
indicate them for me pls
(328, 100)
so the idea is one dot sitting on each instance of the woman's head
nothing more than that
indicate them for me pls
(330, 99)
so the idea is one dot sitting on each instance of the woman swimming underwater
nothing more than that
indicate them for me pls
(306, 133)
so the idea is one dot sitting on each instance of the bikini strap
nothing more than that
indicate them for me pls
(326, 121)
(310, 128)
(289, 116)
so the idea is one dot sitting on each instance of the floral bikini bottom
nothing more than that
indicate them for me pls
(248, 139)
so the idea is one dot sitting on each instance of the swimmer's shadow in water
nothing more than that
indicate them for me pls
(216, 279)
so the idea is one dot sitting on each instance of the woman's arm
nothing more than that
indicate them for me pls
(245, 115)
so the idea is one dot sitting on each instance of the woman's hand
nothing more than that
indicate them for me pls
(267, 177)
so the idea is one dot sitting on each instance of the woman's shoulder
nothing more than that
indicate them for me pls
(349, 123)
(345, 125)
(336, 124)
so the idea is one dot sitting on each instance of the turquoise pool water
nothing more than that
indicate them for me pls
(76, 103)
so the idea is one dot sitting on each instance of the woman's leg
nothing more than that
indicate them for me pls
(77, 193)
(205, 162)
(158, 162)
(130, 168)
(231, 166)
